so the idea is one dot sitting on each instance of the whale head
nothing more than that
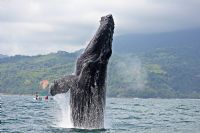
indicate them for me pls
(100, 46)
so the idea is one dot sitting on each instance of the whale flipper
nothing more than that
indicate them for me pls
(63, 85)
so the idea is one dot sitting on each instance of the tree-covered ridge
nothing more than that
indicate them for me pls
(162, 72)
(22, 74)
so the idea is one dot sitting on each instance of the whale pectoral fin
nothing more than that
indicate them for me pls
(63, 85)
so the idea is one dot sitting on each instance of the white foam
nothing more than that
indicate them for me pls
(63, 102)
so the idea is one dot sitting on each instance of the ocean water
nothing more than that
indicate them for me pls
(123, 115)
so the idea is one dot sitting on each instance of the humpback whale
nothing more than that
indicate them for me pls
(87, 85)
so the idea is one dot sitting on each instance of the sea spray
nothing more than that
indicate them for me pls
(63, 102)
(131, 73)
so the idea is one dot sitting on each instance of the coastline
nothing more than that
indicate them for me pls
(9, 94)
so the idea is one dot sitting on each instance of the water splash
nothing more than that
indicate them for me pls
(63, 102)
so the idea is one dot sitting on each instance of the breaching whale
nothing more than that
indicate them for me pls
(88, 84)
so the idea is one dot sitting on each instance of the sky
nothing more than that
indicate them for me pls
(32, 27)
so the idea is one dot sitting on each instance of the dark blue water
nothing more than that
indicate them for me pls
(24, 114)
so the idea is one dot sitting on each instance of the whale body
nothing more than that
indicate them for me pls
(88, 84)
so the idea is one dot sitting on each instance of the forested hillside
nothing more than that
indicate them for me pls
(162, 72)
(22, 74)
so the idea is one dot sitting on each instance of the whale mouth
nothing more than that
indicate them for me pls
(108, 19)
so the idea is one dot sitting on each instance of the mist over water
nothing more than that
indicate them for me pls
(131, 71)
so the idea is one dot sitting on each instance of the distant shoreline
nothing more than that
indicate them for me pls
(16, 94)
(7, 94)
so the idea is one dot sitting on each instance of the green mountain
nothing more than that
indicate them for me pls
(170, 61)
(22, 74)
(139, 43)
(164, 73)
(163, 65)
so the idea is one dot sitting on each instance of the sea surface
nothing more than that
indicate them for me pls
(20, 114)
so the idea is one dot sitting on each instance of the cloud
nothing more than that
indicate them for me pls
(37, 26)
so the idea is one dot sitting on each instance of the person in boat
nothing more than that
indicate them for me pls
(36, 96)
(46, 98)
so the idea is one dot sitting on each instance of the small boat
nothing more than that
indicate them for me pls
(45, 98)
(38, 98)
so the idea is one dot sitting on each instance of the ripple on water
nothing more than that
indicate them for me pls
(23, 114)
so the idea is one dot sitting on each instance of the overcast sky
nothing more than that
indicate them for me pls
(31, 27)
